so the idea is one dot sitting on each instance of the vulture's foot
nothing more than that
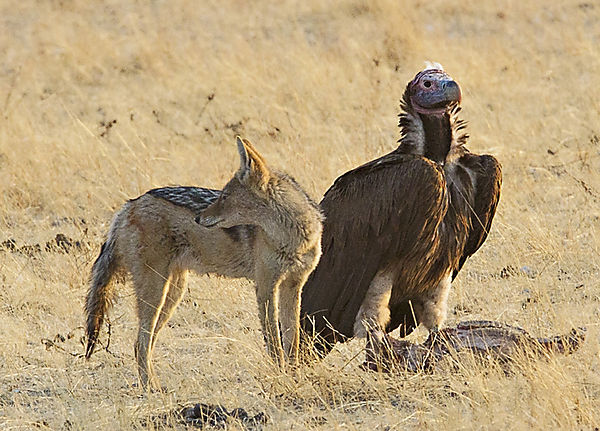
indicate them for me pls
(385, 354)
(483, 338)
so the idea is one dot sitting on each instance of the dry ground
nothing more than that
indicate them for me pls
(100, 101)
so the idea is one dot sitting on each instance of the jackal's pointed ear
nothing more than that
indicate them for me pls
(252, 166)
(244, 159)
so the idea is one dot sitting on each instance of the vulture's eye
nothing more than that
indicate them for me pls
(427, 84)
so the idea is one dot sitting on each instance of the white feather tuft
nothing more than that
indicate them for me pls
(433, 65)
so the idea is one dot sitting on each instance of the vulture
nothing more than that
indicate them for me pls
(399, 228)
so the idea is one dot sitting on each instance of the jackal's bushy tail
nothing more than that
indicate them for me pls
(101, 293)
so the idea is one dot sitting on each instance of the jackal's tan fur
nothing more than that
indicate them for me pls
(263, 227)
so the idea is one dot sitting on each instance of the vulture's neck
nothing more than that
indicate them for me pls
(437, 133)
(440, 137)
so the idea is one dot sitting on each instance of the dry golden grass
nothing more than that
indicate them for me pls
(316, 86)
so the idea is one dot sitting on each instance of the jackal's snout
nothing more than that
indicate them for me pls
(207, 220)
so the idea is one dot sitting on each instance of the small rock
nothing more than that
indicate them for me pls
(534, 173)
(30, 250)
(259, 418)
(529, 272)
(317, 420)
(9, 244)
(508, 271)
(239, 414)
(202, 414)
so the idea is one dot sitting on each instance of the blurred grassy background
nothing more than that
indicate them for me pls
(100, 101)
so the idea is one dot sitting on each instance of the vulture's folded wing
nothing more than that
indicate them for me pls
(374, 214)
(488, 179)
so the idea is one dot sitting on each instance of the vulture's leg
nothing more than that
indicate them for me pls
(431, 307)
(372, 318)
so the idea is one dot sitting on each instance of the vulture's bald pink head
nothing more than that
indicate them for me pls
(432, 91)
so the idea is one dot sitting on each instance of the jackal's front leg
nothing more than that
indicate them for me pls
(290, 294)
(268, 312)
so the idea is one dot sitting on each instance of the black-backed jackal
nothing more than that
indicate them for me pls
(261, 226)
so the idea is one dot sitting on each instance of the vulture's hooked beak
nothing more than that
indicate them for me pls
(451, 91)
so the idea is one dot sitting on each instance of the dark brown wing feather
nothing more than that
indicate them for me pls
(373, 215)
(488, 179)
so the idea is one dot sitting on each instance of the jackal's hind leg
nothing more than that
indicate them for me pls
(175, 292)
(151, 287)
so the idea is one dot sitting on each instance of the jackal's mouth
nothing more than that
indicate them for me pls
(208, 221)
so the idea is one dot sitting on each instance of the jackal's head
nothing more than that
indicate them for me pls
(244, 199)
